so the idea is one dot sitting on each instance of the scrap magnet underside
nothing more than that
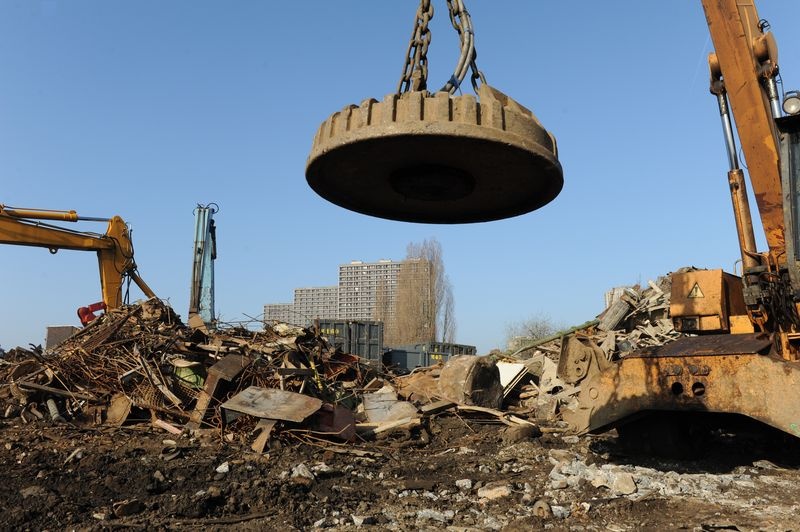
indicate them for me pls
(436, 158)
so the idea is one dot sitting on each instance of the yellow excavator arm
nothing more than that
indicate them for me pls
(744, 79)
(26, 227)
(744, 66)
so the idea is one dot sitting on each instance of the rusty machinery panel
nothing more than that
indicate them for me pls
(707, 301)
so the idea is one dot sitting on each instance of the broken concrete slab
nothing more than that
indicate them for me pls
(619, 482)
(383, 406)
(471, 380)
(495, 491)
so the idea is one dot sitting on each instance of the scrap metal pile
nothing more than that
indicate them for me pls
(141, 359)
(636, 317)
(140, 363)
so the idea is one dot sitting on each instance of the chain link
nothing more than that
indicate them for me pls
(462, 23)
(415, 69)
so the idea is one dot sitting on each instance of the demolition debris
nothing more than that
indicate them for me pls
(140, 363)
(279, 429)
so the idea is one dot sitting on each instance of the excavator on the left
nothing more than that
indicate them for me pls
(29, 227)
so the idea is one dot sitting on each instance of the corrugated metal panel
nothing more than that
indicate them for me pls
(441, 348)
(425, 354)
(362, 338)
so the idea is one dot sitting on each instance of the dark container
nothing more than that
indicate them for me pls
(408, 357)
(362, 338)
(57, 334)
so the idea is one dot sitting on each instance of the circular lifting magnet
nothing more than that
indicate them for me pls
(436, 158)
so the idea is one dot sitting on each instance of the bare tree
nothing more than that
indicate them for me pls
(414, 303)
(425, 305)
(534, 328)
(384, 311)
(447, 317)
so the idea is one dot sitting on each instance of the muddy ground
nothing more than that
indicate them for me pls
(457, 475)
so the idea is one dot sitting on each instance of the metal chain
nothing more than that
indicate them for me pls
(415, 70)
(462, 23)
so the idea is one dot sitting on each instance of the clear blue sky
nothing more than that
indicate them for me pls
(144, 109)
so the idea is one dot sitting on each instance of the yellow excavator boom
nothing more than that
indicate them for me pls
(25, 227)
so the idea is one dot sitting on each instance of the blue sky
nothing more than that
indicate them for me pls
(144, 109)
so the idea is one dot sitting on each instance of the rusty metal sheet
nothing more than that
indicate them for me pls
(335, 421)
(273, 404)
(718, 344)
(118, 410)
(230, 366)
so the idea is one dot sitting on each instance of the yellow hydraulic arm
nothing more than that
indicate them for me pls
(25, 227)
(744, 72)
(744, 67)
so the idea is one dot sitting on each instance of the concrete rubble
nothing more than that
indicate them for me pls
(637, 317)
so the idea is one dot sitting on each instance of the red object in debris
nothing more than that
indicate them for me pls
(334, 420)
(87, 314)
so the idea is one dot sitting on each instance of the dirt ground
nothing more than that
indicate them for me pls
(455, 474)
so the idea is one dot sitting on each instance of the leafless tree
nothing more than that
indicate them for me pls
(384, 311)
(533, 328)
(447, 318)
(413, 304)
(425, 305)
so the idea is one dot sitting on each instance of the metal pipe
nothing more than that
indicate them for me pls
(44, 214)
(727, 129)
(744, 220)
(774, 97)
(52, 408)
(93, 219)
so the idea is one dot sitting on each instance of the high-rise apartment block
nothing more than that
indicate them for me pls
(309, 304)
(281, 313)
(316, 302)
(366, 291)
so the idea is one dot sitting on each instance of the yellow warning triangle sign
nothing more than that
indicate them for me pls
(696, 292)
